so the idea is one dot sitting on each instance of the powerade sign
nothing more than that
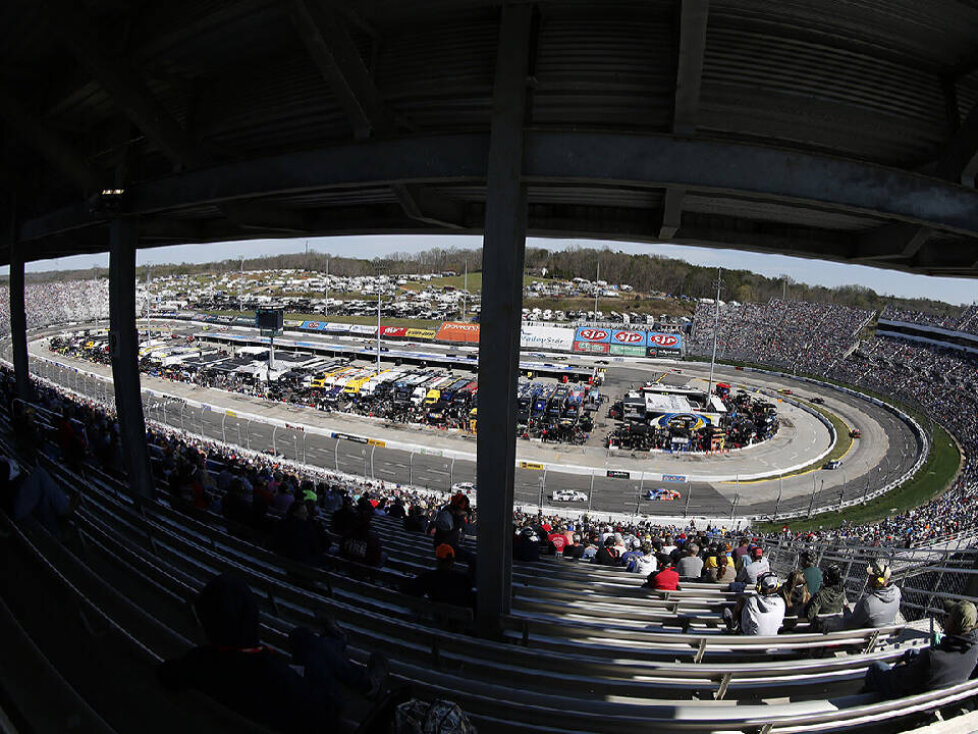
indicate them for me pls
(592, 336)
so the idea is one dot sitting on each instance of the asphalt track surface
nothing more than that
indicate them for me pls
(886, 450)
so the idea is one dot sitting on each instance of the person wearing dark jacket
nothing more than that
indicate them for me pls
(526, 546)
(236, 670)
(828, 603)
(444, 584)
(299, 538)
(950, 661)
(608, 554)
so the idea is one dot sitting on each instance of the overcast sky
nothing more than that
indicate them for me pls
(816, 272)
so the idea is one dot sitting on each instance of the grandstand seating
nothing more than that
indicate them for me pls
(585, 649)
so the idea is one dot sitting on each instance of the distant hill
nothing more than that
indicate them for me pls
(647, 274)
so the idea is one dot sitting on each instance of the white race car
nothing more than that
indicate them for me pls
(568, 495)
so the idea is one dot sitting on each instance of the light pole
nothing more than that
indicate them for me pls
(716, 333)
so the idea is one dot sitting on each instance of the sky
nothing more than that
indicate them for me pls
(815, 272)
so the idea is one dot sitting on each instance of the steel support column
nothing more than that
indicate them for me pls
(502, 297)
(124, 344)
(18, 318)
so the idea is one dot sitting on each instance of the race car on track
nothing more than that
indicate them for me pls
(466, 487)
(661, 493)
(568, 495)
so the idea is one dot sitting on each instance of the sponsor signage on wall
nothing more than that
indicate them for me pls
(546, 337)
(312, 326)
(592, 347)
(337, 328)
(363, 330)
(629, 338)
(665, 341)
(456, 331)
(426, 334)
(393, 332)
(592, 335)
(626, 351)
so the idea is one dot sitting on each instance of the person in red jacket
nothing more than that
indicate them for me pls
(666, 578)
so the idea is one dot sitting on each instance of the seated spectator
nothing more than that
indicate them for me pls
(36, 494)
(721, 570)
(574, 550)
(345, 518)
(879, 604)
(761, 613)
(607, 554)
(299, 537)
(444, 584)
(946, 663)
(590, 550)
(526, 546)
(645, 563)
(813, 574)
(449, 526)
(666, 578)
(690, 566)
(396, 509)
(361, 544)
(741, 550)
(796, 596)
(234, 668)
(754, 566)
(634, 551)
(415, 521)
(327, 665)
(824, 609)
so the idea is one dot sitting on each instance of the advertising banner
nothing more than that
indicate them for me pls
(312, 326)
(591, 347)
(626, 351)
(546, 337)
(616, 474)
(426, 334)
(393, 332)
(363, 330)
(630, 339)
(334, 328)
(592, 335)
(456, 331)
(672, 342)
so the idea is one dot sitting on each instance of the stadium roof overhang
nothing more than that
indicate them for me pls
(846, 132)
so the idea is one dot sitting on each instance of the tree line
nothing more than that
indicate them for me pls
(647, 274)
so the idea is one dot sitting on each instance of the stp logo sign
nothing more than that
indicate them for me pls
(629, 337)
(663, 340)
(594, 335)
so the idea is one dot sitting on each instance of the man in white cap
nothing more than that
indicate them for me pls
(761, 613)
(880, 603)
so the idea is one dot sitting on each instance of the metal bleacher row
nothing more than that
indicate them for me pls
(585, 649)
